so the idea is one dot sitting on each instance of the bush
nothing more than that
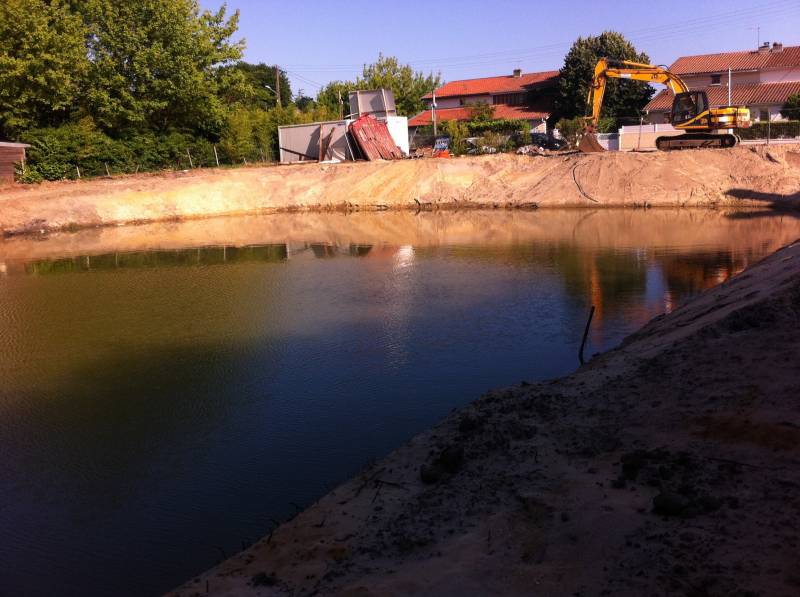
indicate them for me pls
(775, 130)
(458, 133)
(570, 129)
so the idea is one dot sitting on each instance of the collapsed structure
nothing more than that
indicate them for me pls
(373, 130)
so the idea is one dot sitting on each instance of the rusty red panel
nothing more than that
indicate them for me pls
(374, 139)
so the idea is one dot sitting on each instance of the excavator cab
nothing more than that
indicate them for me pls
(688, 106)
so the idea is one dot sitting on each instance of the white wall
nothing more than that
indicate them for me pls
(398, 129)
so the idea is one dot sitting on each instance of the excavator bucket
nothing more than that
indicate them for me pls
(589, 143)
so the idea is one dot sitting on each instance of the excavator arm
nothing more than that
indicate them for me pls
(625, 69)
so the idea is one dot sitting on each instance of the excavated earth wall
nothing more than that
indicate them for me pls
(743, 176)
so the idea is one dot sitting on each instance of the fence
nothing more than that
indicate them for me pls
(644, 136)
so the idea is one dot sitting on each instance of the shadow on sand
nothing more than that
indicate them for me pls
(774, 203)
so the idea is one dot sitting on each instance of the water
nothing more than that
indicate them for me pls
(167, 391)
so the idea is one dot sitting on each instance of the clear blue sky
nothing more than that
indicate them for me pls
(317, 42)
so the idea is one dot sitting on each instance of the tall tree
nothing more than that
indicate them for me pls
(154, 63)
(43, 64)
(407, 85)
(622, 98)
(261, 77)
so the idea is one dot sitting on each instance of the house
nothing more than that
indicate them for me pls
(761, 80)
(519, 96)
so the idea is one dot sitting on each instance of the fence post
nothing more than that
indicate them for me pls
(191, 164)
(216, 157)
(769, 126)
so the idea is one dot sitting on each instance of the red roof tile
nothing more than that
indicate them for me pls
(742, 95)
(736, 61)
(501, 111)
(504, 84)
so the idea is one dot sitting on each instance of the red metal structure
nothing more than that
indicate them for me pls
(374, 140)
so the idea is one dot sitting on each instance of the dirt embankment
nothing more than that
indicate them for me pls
(669, 466)
(700, 178)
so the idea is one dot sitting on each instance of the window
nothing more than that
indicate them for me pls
(715, 79)
(509, 99)
(763, 115)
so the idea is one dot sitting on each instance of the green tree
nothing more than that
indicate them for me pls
(407, 85)
(329, 95)
(458, 133)
(303, 102)
(261, 79)
(480, 112)
(43, 64)
(791, 109)
(154, 63)
(622, 98)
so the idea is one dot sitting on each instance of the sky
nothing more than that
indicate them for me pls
(316, 42)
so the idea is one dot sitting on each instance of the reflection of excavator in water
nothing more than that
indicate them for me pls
(690, 109)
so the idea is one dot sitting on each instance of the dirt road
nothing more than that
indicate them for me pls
(744, 176)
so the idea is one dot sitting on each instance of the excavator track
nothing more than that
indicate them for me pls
(697, 141)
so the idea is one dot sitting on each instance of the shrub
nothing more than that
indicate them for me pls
(570, 129)
(773, 130)
(458, 133)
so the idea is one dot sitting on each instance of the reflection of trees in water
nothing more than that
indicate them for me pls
(163, 258)
(686, 275)
(327, 250)
(608, 278)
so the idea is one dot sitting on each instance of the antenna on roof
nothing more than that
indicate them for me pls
(757, 29)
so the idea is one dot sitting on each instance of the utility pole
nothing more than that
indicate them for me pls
(433, 112)
(729, 85)
(278, 83)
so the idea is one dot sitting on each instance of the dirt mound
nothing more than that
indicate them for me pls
(741, 176)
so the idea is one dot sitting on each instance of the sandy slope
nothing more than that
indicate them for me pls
(700, 178)
(669, 466)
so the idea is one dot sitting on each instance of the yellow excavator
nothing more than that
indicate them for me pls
(690, 110)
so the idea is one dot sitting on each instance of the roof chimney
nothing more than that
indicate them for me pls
(777, 47)
(517, 72)
(763, 48)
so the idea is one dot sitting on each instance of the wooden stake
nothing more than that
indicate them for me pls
(191, 164)
(216, 157)
(78, 170)
(107, 170)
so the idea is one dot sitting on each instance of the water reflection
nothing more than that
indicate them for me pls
(166, 390)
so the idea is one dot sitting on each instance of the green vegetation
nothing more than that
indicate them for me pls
(774, 130)
(622, 98)
(407, 85)
(102, 86)
(791, 109)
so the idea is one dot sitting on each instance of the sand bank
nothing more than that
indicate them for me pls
(670, 465)
(743, 176)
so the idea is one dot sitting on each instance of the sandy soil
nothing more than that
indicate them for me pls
(700, 178)
(669, 466)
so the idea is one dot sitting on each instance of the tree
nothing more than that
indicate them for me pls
(42, 64)
(480, 112)
(407, 85)
(154, 63)
(329, 96)
(261, 78)
(791, 109)
(303, 102)
(622, 98)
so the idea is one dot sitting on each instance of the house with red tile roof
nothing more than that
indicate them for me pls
(761, 80)
(519, 96)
